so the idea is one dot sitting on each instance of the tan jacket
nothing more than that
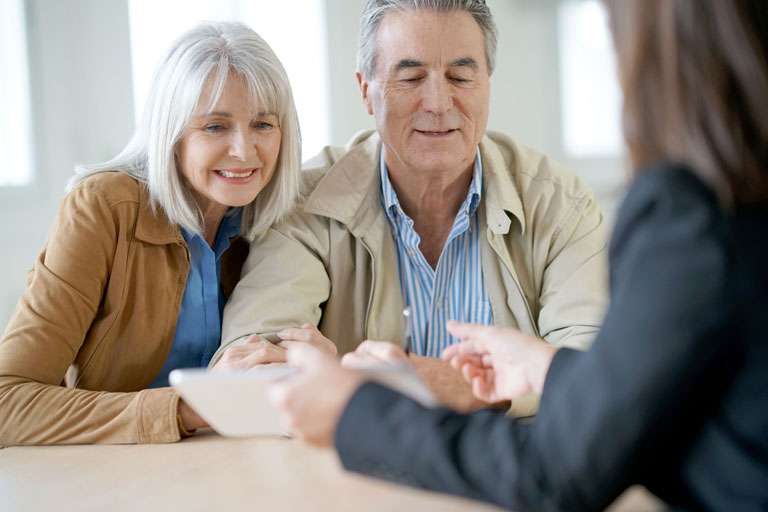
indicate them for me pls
(334, 262)
(95, 324)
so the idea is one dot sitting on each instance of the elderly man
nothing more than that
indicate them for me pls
(428, 212)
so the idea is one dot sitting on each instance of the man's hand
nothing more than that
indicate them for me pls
(308, 334)
(374, 353)
(313, 400)
(252, 353)
(447, 384)
(501, 364)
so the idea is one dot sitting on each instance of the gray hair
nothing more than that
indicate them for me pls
(375, 10)
(209, 50)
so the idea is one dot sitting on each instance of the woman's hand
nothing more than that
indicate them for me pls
(501, 364)
(190, 420)
(313, 399)
(253, 352)
(308, 334)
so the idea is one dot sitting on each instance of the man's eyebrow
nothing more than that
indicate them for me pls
(467, 62)
(408, 63)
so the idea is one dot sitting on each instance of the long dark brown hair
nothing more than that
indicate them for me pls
(695, 81)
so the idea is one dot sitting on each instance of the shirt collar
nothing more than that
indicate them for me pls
(228, 229)
(392, 204)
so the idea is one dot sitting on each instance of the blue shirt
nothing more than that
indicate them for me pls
(198, 329)
(455, 289)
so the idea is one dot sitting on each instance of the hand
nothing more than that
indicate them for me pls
(313, 400)
(252, 353)
(447, 384)
(373, 353)
(501, 364)
(308, 334)
(190, 420)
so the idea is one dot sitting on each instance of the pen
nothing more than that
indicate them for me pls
(407, 315)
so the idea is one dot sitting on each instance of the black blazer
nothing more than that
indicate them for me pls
(672, 395)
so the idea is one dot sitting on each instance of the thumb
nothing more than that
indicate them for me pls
(253, 339)
(306, 357)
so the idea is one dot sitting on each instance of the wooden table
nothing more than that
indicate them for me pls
(209, 472)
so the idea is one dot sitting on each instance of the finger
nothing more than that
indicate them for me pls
(294, 334)
(253, 339)
(468, 331)
(264, 353)
(359, 360)
(471, 347)
(459, 361)
(382, 350)
(304, 356)
(480, 389)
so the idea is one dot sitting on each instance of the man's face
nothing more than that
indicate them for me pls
(430, 91)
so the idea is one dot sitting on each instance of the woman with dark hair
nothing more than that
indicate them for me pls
(673, 394)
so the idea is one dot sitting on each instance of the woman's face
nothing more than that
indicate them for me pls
(228, 154)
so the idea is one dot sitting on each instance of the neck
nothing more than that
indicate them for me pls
(432, 202)
(212, 221)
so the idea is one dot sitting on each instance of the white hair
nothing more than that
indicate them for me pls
(375, 10)
(210, 50)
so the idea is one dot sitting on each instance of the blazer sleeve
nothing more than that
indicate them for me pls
(628, 403)
(47, 329)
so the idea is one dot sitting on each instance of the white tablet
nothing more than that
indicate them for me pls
(235, 404)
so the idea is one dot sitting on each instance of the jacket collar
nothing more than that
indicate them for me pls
(500, 193)
(154, 227)
(350, 191)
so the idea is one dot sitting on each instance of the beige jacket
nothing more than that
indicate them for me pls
(96, 322)
(334, 263)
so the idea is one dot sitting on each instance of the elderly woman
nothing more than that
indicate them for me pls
(674, 392)
(147, 246)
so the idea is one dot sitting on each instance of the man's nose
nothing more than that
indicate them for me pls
(437, 96)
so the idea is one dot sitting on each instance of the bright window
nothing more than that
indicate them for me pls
(589, 89)
(16, 126)
(295, 30)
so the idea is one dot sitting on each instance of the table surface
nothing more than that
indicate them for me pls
(208, 472)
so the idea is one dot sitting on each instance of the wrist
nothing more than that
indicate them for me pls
(537, 372)
(189, 421)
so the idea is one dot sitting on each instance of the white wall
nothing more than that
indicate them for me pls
(79, 60)
(83, 110)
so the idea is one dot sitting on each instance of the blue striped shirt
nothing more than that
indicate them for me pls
(455, 289)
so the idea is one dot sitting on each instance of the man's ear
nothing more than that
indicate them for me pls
(363, 84)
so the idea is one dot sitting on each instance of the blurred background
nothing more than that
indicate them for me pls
(73, 76)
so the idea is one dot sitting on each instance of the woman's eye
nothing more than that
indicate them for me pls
(214, 128)
(263, 125)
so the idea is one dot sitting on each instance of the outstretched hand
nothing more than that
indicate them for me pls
(501, 364)
(313, 399)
